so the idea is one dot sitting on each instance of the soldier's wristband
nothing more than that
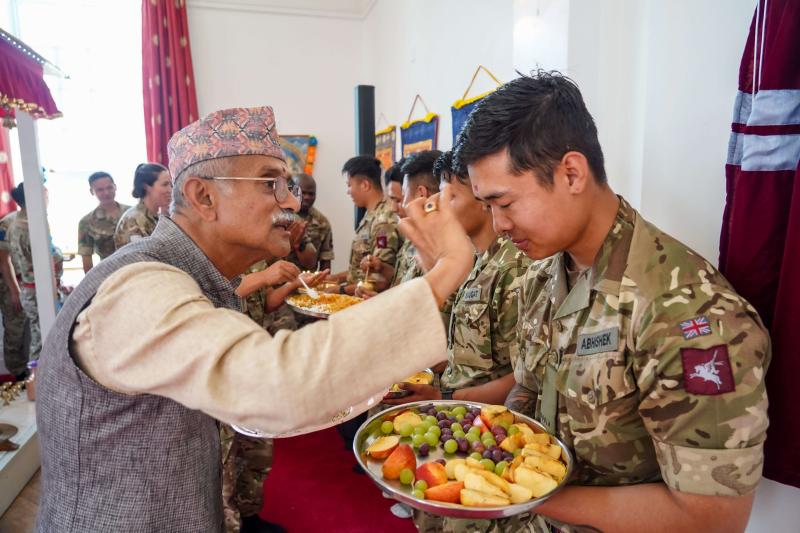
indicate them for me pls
(447, 394)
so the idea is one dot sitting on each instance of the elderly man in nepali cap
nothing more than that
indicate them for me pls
(151, 349)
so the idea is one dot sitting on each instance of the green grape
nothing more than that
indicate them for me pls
(489, 442)
(436, 430)
(417, 440)
(406, 476)
(459, 418)
(517, 452)
(475, 430)
(419, 494)
(421, 485)
(431, 420)
(406, 429)
(419, 430)
(451, 446)
(432, 439)
(387, 427)
(458, 434)
(455, 426)
(513, 430)
(471, 437)
(500, 467)
(488, 464)
(425, 425)
(504, 425)
(476, 456)
(460, 410)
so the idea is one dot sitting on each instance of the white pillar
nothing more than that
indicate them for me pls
(37, 221)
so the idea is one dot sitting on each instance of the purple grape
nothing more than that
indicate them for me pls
(432, 411)
(424, 449)
(444, 424)
(463, 445)
(487, 454)
(478, 446)
(508, 456)
(441, 416)
(476, 412)
(469, 416)
(497, 456)
(441, 461)
(466, 427)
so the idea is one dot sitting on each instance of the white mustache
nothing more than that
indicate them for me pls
(283, 218)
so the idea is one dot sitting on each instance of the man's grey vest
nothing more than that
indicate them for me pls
(114, 462)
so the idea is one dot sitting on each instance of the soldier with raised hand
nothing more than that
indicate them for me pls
(312, 242)
(14, 354)
(482, 344)
(96, 229)
(636, 351)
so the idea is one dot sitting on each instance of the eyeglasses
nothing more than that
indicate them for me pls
(280, 187)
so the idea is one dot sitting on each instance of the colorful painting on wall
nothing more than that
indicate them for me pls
(301, 152)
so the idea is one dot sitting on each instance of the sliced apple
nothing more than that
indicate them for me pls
(540, 438)
(513, 442)
(538, 483)
(473, 498)
(407, 417)
(478, 483)
(495, 480)
(547, 465)
(474, 463)
(450, 467)
(525, 430)
(402, 457)
(520, 493)
(555, 452)
(492, 415)
(449, 492)
(391, 416)
(460, 471)
(432, 473)
(383, 446)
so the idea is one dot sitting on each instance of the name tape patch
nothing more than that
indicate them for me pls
(601, 341)
(472, 295)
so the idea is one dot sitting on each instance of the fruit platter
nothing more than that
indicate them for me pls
(462, 459)
(420, 378)
(321, 307)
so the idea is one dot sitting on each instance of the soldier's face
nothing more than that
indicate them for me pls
(309, 190)
(355, 189)
(541, 221)
(470, 212)
(105, 190)
(394, 192)
(161, 191)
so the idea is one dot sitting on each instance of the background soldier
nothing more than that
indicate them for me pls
(312, 249)
(152, 185)
(14, 353)
(96, 229)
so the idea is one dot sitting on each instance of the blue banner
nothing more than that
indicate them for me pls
(419, 135)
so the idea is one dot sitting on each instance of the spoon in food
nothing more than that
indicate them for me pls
(314, 295)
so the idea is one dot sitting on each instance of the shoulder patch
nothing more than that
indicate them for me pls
(707, 371)
(695, 327)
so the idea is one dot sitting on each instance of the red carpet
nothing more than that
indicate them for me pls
(312, 488)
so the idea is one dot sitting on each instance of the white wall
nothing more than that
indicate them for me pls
(305, 67)
(433, 48)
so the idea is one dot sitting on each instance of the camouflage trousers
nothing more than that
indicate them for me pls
(281, 318)
(246, 461)
(14, 353)
(28, 298)
(428, 523)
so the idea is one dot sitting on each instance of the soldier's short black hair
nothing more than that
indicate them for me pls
(94, 176)
(18, 194)
(443, 169)
(419, 169)
(365, 167)
(537, 118)
(146, 174)
(394, 173)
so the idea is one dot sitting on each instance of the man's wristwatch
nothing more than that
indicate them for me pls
(342, 285)
(447, 394)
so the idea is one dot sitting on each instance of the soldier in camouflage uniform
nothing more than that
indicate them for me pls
(152, 185)
(377, 233)
(635, 350)
(482, 344)
(14, 353)
(314, 249)
(96, 229)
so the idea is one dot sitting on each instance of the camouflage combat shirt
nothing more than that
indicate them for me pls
(658, 365)
(319, 234)
(406, 267)
(482, 338)
(136, 223)
(96, 232)
(5, 225)
(377, 235)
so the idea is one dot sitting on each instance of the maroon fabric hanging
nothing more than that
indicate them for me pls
(760, 241)
(170, 101)
(21, 83)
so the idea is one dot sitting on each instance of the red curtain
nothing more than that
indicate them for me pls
(760, 242)
(7, 204)
(170, 101)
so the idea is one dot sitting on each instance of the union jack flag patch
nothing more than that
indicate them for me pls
(695, 327)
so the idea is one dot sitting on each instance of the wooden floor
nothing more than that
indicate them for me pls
(21, 516)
